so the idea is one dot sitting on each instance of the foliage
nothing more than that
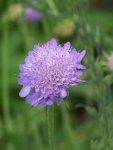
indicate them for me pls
(85, 120)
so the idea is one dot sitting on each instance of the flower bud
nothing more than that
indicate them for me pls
(65, 29)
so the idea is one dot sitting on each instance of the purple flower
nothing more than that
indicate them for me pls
(32, 15)
(110, 62)
(48, 70)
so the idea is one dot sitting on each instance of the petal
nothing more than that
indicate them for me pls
(36, 47)
(21, 67)
(79, 73)
(67, 46)
(74, 54)
(49, 103)
(79, 66)
(43, 103)
(74, 84)
(23, 80)
(25, 91)
(52, 41)
(63, 93)
(81, 55)
(58, 101)
(80, 81)
(33, 99)
(27, 60)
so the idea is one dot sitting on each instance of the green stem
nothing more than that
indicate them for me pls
(50, 116)
(106, 125)
(67, 128)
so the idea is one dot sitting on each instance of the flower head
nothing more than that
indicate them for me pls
(65, 29)
(48, 70)
(32, 15)
(110, 62)
(13, 12)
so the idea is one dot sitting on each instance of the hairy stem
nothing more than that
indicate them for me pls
(50, 116)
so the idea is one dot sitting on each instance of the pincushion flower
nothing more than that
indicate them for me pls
(32, 15)
(110, 62)
(48, 71)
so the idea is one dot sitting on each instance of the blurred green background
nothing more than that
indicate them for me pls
(85, 120)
